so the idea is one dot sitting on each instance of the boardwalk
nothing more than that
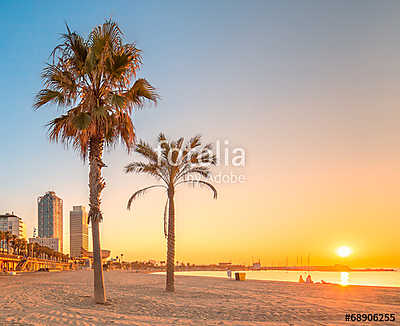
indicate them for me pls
(20, 263)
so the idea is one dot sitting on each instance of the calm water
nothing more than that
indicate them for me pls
(343, 278)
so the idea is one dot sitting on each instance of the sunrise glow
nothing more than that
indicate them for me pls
(343, 251)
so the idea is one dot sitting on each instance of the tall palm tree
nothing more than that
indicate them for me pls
(2, 240)
(175, 163)
(8, 237)
(14, 243)
(29, 249)
(35, 250)
(93, 80)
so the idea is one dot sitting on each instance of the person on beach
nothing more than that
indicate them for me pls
(301, 280)
(308, 279)
(229, 273)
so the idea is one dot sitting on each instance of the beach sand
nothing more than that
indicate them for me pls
(65, 298)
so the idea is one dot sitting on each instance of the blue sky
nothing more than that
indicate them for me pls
(305, 87)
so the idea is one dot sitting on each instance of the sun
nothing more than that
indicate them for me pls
(343, 251)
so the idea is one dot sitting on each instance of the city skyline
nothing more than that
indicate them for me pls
(15, 224)
(34, 225)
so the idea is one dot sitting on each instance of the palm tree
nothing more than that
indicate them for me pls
(92, 80)
(35, 250)
(24, 246)
(29, 248)
(14, 244)
(2, 240)
(174, 164)
(8, 237)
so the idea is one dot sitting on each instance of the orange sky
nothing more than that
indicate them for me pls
(273, 215)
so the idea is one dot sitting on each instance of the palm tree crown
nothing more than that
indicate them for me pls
(174, 163)
(93, 78)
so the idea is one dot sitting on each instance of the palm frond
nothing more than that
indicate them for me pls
(194, 142)
(200, 171)
(201, 182)
(147, 151)
(49, 96)
(82, 120)
(141, 168)
(141, 90)
(141, 192)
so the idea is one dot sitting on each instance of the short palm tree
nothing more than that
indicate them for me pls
(175, 163)
(93, 80)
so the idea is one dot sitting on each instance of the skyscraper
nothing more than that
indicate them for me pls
(50, 217)
(12, 223)
(78, 231)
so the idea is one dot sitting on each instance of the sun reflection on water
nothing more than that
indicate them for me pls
(344, 278)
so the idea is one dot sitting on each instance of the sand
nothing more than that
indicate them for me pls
(65, 298)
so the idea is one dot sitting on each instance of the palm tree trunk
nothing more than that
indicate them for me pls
(170, 287)
(96, 185)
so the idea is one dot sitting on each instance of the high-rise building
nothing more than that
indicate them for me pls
(78, 230)
(50, 217)
(13, 224)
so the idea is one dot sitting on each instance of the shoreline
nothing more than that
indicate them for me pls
(201, 276)
(293, 282)
(271, 280)
(177, 274)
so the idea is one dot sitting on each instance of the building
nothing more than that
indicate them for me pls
(13, 224)
(50, 217)
(52, 243)
(78, 231)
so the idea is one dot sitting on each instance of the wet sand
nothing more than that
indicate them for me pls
(65, 298)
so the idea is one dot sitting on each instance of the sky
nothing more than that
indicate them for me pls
(308, 89)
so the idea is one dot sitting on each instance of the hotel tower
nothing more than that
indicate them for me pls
(78, 231)
(50, 217)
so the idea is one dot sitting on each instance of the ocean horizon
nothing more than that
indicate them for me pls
(365, 278)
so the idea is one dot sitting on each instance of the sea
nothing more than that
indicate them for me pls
(367, 278)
